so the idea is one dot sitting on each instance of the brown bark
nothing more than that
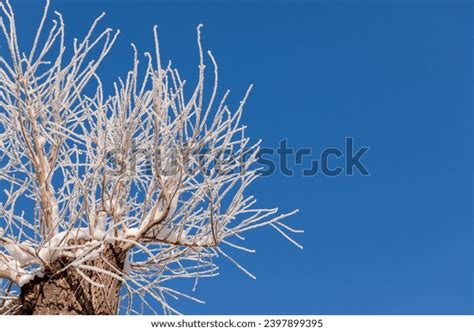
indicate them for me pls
(68, 293)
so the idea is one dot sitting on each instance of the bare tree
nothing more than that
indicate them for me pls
(127, 192)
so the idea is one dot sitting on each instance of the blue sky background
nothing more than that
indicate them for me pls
(397, 77)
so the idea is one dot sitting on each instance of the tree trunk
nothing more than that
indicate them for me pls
(69, 293)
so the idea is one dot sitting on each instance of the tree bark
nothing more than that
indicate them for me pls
(69, 293)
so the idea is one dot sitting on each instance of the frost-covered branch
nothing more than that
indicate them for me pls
(155, 169)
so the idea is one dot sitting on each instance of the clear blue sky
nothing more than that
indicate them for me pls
(397, 77)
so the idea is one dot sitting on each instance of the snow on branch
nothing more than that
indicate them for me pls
(157, 169)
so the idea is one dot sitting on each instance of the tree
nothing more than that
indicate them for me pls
(127, 192)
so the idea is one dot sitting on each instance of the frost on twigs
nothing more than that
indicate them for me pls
(158, 169)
